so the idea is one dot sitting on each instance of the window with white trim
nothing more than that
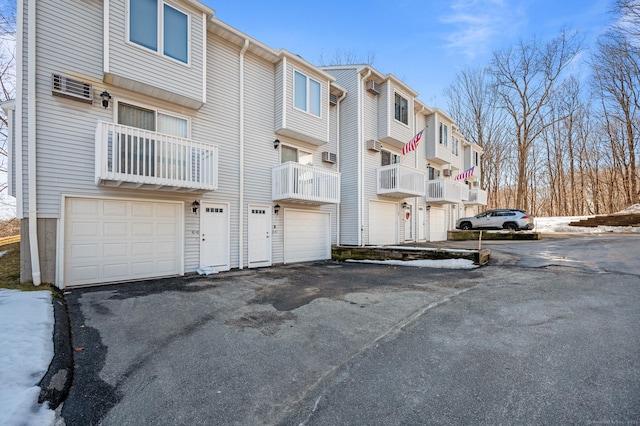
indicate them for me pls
(389, 158)
(401, 109)
(159, 27)
(443, 134)
(306, 93)
(454, 145)
(153, 120)
(289, 153)
(476, 158)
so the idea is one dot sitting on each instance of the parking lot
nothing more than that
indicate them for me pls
(514, 342)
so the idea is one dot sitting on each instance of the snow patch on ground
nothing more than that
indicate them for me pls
(7, 207)
(27, 349)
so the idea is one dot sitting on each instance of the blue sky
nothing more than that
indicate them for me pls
(422, 42)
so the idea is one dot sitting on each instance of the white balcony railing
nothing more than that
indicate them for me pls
(446, 191)
(306, 184)
(128, 155)
(477, 197)
(396, 180)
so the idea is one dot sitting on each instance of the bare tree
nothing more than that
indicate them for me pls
(347, 57)
(525, 76)
(616, 80)
(472, 99)
(629, 23)
(7, 76)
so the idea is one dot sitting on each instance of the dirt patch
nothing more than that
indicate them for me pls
(268, 322)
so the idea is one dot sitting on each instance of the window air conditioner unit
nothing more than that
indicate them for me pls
(71, 88)
(446, 172)
(373, 87)
(329, 157)
(333, 100)
(374, 145)
(474, 184)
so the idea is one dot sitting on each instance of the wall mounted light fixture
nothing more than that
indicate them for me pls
(106, 97)
(276, 208)
(195, 206)
(405, 205)
(276, 143)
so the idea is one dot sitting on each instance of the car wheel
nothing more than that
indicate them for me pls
(465, 226)
(510, 226)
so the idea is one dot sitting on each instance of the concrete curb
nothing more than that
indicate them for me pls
(54, 386)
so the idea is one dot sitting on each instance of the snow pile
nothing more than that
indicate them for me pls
(561, 224)
(7, 207)
(27, 350)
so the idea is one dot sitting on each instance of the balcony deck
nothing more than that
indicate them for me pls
(396, 180)
(135, 158)
(477, 197)
(300, 183)
(446, 191)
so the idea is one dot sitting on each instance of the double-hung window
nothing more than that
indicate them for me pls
(306, 93)
(443, 134)
(389, 158)
(454, 145)
(476, 158)
(157, 26)
(289, 153)
(402, 109)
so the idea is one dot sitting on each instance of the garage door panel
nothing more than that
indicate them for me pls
(383, 223)
(307, 236)
(121, 240)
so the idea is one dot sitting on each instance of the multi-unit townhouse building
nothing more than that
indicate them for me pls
(149, 139)
(388, 197)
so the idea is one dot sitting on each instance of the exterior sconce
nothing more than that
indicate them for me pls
(106, 97)
(276, 143)
(405, 205)
(195, 206)
(276, 208)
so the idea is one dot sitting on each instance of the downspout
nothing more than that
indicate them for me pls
(31, 141)
(361, 157)
(416, 216)
(241, 212)
(338, 163)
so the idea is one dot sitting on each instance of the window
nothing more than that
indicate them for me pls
(476, 158)
(402, 109)
(141, 154)
(306, 94)
(159, 27)
(454, 145)
(389, 158)
(288, 153)
(433, 173)
(443, 135)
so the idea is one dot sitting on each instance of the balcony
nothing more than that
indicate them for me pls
(400, 181)
(446, 191)
(305, 184)
(129, 157)
(476, 197)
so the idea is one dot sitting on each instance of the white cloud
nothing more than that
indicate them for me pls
(478, 25)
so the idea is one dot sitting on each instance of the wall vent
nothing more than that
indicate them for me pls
(329, 157)
(374, 145)
(71, 88)
(333, 100)
(373, 87)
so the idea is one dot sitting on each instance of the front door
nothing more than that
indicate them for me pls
(422, 234)
(259, 236)
(408, 223)
(214, 236)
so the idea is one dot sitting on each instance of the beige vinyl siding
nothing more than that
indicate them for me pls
(348, 155)
(372, 159)
(390, 129)
(136, 63)
(431, 137)
(279, 88)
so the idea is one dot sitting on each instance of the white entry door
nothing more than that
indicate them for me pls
(422, 231)
(214, 235)
(259, 236)
(437, 224)
(408, 223)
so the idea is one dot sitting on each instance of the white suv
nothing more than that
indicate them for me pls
(512, 219)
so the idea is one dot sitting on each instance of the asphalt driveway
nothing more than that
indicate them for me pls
(342, 343)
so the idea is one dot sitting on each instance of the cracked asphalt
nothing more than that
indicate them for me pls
(547, 333)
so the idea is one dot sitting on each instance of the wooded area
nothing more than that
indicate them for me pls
(558, 122)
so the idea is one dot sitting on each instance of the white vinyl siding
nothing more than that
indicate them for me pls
(138, 66)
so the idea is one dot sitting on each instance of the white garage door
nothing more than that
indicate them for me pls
(307, 236)
(121, 240)
(437, 224)
(383, 223)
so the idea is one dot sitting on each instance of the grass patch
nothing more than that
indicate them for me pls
(10, 270)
